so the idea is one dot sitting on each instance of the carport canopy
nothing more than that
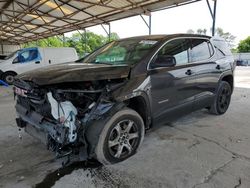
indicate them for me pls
(23, 21)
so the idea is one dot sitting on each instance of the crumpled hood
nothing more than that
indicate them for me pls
(74, 72)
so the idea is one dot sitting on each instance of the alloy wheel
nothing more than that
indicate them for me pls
(123, 139)
(9, 79)
(224, 99)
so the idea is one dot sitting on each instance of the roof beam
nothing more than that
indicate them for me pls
(44, 15)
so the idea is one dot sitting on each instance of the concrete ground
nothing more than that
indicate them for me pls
(198, 151)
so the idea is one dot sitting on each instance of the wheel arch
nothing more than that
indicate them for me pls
(228, 78)
(8, 72)
(141, 105)
(95, 128)
(5, 74)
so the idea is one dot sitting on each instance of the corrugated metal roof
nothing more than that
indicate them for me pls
(27, 20)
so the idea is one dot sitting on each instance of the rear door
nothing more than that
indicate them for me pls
(202, 56)
(172, 88)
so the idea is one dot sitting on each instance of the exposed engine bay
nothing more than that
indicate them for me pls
(62, 112)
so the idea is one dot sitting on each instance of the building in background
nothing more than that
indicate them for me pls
(6, 49)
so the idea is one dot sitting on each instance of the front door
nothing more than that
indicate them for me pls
(173, 86)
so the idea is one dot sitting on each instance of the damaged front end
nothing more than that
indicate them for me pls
(62, 115)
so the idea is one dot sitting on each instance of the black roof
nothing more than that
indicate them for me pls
(165, 37)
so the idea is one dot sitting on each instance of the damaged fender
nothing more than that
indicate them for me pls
(96, 122)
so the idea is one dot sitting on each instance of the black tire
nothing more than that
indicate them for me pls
(8, 77)
(222, 99)
(111, 142)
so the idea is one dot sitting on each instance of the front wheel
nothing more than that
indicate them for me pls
(222, 100)
(8, 77)
(120, 137)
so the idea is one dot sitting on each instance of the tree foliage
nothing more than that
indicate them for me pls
(190, 31)
(230, 39)
(198, 31)
(49, 42)
(77, 41)
(202, 31)
(244, 45)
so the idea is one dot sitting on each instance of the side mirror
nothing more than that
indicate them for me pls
(164, 61)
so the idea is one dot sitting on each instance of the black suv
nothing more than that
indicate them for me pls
(100, 106)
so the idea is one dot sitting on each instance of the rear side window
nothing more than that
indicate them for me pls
(201, 50)
(222, 47)
(178, 49)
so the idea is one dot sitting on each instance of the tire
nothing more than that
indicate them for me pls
(121, 137)
(8, 77)
(222, 99)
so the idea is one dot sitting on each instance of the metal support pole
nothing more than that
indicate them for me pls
(108, 32)
(85, 41)
(2, 49)
(47, 42)
(213, 14)
(214, 17)
(148, 24)
(150, 20)
(63, 40)
(210, 9)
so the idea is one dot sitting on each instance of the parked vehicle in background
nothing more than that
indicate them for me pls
(100, 106)
(2, 57)
(28, 59)
(241, 62)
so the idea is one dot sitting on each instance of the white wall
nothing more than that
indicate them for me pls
(6, 49)
(242, 56)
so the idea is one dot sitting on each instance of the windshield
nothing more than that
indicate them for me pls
(121, 52)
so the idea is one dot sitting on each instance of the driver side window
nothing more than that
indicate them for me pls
(179, 49)
(175, 52)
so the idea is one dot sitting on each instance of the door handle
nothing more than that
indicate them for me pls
(189, 72)
(218, 67)
(37, 62)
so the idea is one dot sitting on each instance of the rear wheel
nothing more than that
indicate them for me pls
(222, 100)
(121, 137)
(8, 77)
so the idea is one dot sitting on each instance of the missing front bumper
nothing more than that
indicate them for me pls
(38, 127)
(54, 136)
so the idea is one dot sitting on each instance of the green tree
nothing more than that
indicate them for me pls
(190, 31)
(49, 42)
(198, 31)
(113, 36)
(77, 41)
(201, 31)
(230, 39)
(244, 45)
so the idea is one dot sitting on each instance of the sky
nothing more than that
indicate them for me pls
(231, 17)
